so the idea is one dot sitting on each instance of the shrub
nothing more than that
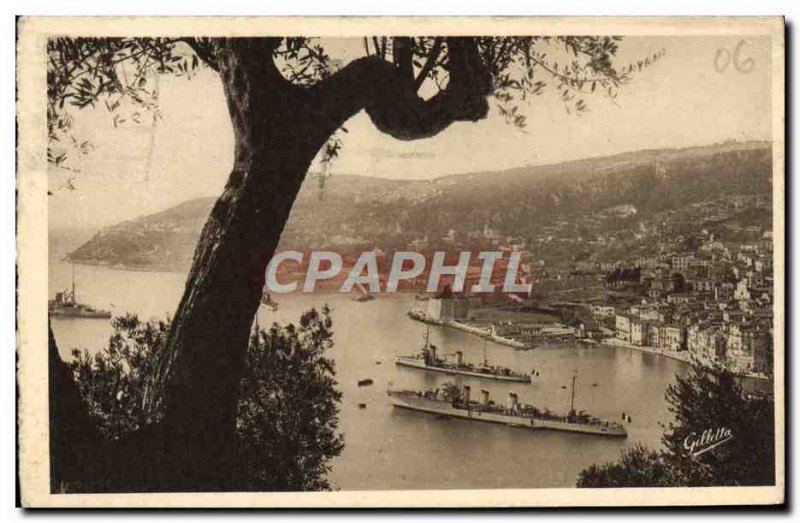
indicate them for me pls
(287, 414)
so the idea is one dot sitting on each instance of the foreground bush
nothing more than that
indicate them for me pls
(708, 399)
(287, 414)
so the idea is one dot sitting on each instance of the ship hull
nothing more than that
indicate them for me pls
(76, 314)
(443, 408)
(416, 363)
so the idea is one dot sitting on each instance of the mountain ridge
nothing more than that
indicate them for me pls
(345, 211)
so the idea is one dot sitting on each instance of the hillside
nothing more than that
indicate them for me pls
(353, 211)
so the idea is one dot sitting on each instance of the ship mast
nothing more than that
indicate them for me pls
(74, 299)
(426, 350)
(572, 394)
(485, 360)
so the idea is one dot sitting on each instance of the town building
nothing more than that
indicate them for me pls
(622, 324)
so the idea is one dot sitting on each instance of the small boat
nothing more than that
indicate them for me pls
(365, 383)
(362, 295)
(266, 299)
(427, 359)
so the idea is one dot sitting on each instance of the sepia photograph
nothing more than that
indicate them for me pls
(398, 262)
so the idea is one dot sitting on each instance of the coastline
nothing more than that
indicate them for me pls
(610, 342)
(121, 267)
(423, 317)
(476, 331)
(684, 356)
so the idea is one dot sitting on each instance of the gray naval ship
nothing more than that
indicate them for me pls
(427, 359)
(66, 305)
(455, 402)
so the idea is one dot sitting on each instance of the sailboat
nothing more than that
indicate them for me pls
(66, 305)
(362, 295)
(266, 299)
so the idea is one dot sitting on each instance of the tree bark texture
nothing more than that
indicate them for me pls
(278, 127)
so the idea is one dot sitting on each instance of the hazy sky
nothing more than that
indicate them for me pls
(682, 100)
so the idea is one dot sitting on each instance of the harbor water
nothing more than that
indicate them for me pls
(388, 448)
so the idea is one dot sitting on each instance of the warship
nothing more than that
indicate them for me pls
(427, 359)
(66, 305)
(455, 402)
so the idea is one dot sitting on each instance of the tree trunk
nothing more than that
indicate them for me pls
(276, 139)
(74, 439)
(279, 127)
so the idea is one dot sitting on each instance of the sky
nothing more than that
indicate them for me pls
(682, 100)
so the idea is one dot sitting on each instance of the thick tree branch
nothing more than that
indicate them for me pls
(203, 50)
(403, 55)
(430, 63)
(384, 41)
(389, 94)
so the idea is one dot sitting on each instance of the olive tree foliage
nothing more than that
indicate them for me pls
(287, 415)
(709, 398)
(288, 411)
(119, 74)
(112, 382)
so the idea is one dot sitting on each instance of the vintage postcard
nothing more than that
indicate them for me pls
(400, 262)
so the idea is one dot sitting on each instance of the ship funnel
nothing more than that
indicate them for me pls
(512, 401)
(484, 397)
(466, 394)
(459, 357)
